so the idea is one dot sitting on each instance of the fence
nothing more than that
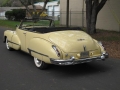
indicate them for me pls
(76, 18)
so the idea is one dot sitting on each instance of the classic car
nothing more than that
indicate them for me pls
(54, 45)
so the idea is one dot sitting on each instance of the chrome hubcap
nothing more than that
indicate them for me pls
(37, 62)
(7, 44)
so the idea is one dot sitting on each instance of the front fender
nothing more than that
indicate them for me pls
(8, 34)
(13, 39)
(42, 49)
(16, 42)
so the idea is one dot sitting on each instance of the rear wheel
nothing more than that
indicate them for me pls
(40, 64)
(7, 45)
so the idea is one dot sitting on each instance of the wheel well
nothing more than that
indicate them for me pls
(4, 39)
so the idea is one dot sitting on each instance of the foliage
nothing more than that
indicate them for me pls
(5, 2)
(15, 14)
(36, 14)
(9, 15)
(15, 3)
(10, 3)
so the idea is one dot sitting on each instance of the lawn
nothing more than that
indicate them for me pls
(9, 24)
(111, 42)
(12, 24)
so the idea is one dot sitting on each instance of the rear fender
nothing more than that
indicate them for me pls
(42, 49)
(101, 47)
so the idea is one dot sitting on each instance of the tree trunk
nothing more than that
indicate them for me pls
(88, 14)
(94, 17)
(92, 9)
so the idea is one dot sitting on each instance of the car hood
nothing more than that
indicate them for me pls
(73, 41)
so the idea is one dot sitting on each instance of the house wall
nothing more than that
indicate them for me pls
(108, 17)
(4, 9)
(2, 15)
(51, 7)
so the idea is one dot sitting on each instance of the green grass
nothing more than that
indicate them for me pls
(109, 38)
(106, 35)
(12, 24)
(9, 24)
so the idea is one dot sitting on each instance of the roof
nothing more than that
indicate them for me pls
(31, 7)
(2, 9)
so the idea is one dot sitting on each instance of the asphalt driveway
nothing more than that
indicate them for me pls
(18, 72)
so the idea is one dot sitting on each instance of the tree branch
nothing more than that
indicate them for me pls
(45, 3)
(101, 4)
(26, 3)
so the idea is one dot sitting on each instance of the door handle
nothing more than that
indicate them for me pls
(24, 33)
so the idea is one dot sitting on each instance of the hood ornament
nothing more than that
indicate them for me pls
(84, 47)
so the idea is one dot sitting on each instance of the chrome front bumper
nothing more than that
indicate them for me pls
(72, 61)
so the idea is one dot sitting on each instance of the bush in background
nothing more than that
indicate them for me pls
(9, 15)
(15, 14)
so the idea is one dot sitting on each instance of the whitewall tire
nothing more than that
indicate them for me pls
(7, 45)
(40, 64)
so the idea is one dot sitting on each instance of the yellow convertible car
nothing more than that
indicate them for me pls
(54, 45)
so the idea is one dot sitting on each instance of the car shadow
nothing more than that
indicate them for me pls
(80, 69)
(85, 69)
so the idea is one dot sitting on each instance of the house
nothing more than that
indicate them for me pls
(53, 8)
(4, 9)
(38, 8)
(108, 18)
(2, 14)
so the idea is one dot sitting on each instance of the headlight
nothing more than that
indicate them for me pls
(56, 50)
(100, 43)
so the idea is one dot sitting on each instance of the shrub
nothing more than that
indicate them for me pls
(15, 14)
(9, 15)
(19, 14)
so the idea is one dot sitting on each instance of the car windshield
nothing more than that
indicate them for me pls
(36, 23)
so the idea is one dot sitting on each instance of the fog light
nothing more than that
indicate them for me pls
(72, 57)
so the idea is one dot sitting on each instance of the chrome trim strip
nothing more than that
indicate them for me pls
(72, 61)
(30, 50)
(13, 42)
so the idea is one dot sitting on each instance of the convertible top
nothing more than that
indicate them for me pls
(53, 29)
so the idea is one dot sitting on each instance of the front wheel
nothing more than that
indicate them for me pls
(40, 64)
(7, 45)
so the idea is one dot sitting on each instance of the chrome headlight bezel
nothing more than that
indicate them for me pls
(56, 50)
(101, 44)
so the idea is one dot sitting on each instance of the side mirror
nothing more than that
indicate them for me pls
(52, 24)
(16, 25)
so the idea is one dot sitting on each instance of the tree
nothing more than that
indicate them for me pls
(92, 9)
(34, 15)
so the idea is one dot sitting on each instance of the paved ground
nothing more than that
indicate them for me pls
(18, 72)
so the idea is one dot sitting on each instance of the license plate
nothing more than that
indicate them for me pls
(84, 54)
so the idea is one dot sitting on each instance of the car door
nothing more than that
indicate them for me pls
(22, 36)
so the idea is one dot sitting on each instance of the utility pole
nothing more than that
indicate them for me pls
(67, 14)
